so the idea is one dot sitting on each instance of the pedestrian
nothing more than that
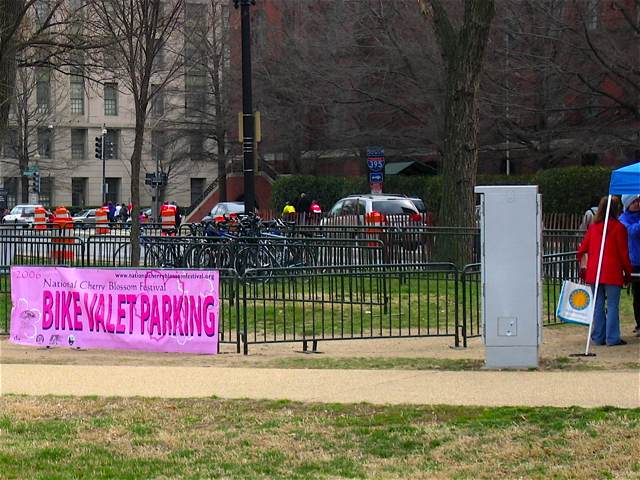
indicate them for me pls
(615, 271)
(302, 204)
(587, 218)
(116, 213)
(123, 215)
(315, 207)
(111, 214)
(288, 210)
(178, 216)
(631, 219)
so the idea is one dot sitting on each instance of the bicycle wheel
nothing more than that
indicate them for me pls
(255, 257)
(192, 257)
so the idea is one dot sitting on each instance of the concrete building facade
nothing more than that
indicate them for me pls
(57, 117)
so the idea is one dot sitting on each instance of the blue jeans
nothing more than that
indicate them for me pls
(606, 326)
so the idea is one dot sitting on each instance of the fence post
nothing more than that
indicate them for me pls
(456, 276)
(244, 317)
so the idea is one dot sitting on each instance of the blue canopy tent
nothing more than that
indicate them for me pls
(624, 181)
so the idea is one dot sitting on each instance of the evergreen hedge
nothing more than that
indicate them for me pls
(564, 190)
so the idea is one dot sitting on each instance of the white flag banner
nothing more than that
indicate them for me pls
(576, 303)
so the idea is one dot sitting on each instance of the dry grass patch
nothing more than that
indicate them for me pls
(211, 438)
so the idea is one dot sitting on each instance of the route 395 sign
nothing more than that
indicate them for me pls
(375, 159)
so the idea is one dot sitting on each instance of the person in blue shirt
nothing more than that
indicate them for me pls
(631, 219)
(111, 215)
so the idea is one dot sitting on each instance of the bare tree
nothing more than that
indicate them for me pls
(462, 48)
(31, 123)
(208, 78)
(344, 75)
(35, 33)
(135, 35)
(561, 80)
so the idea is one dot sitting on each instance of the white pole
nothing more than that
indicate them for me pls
(595, 292)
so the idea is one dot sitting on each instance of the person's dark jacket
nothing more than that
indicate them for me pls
(303, 204)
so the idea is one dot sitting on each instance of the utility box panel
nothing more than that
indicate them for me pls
(511, 239)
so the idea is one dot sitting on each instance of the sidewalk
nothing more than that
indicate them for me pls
(559, 389)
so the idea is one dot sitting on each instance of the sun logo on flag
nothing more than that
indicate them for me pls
(579, 299)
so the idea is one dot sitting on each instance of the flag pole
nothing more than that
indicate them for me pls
(599, 271)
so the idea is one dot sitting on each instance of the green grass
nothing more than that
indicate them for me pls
(99, 438)
(422, 363)
(374, 363)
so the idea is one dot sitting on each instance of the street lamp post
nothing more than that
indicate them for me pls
(34, 192)
(247, 106)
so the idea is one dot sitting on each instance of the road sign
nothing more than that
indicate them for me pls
(376, 177)
(30, 171)
(375, 159)
(152, 179)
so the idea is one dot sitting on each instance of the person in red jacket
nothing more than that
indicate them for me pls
(615, 272)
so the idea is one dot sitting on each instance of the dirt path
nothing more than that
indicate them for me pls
(561, 389)
(41, 371)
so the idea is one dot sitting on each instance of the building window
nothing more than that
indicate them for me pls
(158, 60)
(43, 89)
(113, 189)
(79, 191)
(45, 142)
(45, 196)
(111, 142)
(11, 144)
(111, 99)
(42, 11)
(78, 143)
(157, 145)
(157, 102)
(194, 95)
(196, 150)
(591, 14)
(77, 94)
(197, 187)
(195, 65)
(11, 185)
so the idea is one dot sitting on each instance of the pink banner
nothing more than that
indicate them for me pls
(152, 310)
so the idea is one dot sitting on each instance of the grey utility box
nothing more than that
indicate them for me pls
(510, 235)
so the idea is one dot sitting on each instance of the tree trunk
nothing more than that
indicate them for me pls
(462, 52)
(10, 11)
(135, 186)
(459, 166)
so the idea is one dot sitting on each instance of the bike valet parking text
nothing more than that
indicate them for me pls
(156, 315)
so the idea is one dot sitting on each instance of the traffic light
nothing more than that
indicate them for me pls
(35, 183)
(108, 149)
(99, 148)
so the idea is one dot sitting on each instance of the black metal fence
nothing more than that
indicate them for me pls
(350, 302)
(305, 288)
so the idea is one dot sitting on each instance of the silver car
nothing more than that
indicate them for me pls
(87, 216)
(224, 208)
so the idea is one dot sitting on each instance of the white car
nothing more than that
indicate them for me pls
(353, 210)
(21, 214)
